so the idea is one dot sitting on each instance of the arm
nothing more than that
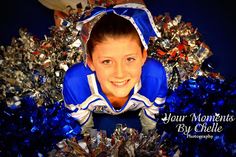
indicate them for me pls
(154, 88)
(75, 92)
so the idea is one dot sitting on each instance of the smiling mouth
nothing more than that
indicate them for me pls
(120, 83)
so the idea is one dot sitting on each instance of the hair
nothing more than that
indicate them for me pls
(110, 25)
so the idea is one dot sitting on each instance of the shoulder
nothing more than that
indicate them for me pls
(153, 80)
(77, 71)
(153, 68)
(75, 84)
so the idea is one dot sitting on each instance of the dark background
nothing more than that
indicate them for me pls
(215, 20)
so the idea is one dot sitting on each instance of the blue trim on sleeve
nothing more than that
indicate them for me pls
(145, 113)
(140, 101)
(86, 119)
(158, 105)
(91, 103)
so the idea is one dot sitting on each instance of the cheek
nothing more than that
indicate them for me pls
(135, 69)
(135, 72)
(102, 75)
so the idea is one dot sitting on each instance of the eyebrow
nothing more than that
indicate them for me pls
(102, 57)
(132, 54)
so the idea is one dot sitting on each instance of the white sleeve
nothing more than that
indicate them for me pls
(84, 117)
(147, 115)
(147, 118)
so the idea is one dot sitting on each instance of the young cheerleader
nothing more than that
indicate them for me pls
(117, 75)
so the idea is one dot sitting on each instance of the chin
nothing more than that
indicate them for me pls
(121, 95)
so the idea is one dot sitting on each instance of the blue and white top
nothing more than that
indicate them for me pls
(83, 94)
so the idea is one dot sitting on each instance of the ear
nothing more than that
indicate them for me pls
(89, 61)
(144, 57)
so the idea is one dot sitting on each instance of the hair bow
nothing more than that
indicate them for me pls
(137, 14)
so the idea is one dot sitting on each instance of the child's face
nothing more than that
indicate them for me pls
(118, 64)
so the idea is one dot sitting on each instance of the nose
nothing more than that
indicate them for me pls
(119, 70)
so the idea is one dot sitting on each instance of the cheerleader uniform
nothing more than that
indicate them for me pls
(83, 95)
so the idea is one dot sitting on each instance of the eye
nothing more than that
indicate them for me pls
(107, 61)
(130, 59)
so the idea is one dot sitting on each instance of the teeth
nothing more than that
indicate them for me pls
(120, 83)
